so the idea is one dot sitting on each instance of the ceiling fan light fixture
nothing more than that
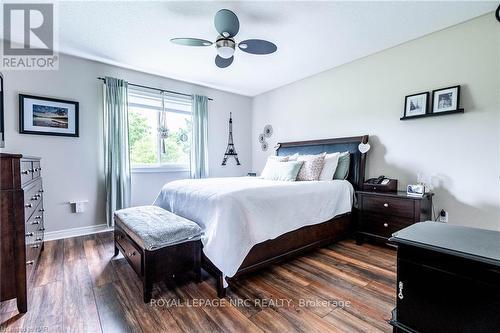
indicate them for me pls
(225, 48)
(227, 25)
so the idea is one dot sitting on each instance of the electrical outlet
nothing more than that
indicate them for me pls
(443, 216)
(79, 208)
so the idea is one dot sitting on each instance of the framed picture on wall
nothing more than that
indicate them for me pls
(47, 116)
(416, 105)
(446, 99)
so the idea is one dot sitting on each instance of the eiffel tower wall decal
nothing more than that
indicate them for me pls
(230, 150)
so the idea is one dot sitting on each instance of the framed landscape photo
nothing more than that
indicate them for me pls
(47, 116)
(416, 105)
(446, 99)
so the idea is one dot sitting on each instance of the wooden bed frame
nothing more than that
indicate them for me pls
(299, 241)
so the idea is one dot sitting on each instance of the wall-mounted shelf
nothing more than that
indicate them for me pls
(433, 114)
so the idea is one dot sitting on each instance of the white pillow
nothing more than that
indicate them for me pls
(283, 171)
(278, 158)
(329, 166)
(270, 160)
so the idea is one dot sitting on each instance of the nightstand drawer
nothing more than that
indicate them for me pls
(389, 206)
(383, 225)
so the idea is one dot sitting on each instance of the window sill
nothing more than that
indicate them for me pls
(160, 169)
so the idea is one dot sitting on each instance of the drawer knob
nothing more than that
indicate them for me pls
(28, 205)
(42, 229)
(37, 217)
(400, 292)
(386, 225)
(35, 246)
(132, 254)
(38, 239)
(40, 190)
(25, 172)
(29, 234)
(35, 222)
(41, 209)
(31, 262)
(34, 198)
(386, 205)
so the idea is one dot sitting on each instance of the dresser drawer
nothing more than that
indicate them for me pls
(129, 250)
(26, 172)
(35, 222)
(389, 206)
(37, 170)
(32, 198)
(383, 225)
(32, 255)
(34, 239)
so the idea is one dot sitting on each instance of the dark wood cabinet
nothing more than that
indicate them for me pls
(380, 214)
(448, 279)
(21, 224)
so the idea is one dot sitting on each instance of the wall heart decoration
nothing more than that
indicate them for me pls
(364, 147)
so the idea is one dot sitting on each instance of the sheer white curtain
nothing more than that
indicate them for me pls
(116, 147)
(199, 144)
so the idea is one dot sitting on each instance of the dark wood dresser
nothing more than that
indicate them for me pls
(22, 227)
(448, 279)
(380, 214)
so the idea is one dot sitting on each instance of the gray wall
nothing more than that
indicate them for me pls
(458, 154)
(73, 167)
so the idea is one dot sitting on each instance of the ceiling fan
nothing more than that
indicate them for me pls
(227, 25)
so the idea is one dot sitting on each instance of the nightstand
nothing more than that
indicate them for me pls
(380, 214)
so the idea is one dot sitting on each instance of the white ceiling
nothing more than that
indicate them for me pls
(311, 36)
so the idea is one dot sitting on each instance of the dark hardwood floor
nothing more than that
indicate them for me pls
(81, 287)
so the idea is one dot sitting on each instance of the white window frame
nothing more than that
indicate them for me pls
(158, 167)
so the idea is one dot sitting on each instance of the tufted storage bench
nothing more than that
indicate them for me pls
(157, 244)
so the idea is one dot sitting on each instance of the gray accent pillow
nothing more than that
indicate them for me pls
(343, 166)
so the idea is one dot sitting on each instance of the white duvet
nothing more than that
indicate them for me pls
(237, 213)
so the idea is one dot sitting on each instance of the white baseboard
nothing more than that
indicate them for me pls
(75, 232)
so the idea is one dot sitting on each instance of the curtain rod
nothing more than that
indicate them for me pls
(153, 88)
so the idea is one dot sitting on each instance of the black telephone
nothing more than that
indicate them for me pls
(380, 180)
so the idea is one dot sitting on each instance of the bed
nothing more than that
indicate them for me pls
(249, 223)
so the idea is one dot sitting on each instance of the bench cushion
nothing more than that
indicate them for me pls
(152, 227)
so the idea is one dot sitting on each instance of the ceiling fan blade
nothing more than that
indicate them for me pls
(222, 62)
(226, 23)
(257, 46)
(191, 41)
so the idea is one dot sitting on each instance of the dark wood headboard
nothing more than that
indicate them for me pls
(358, 160)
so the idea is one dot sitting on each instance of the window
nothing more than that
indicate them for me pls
(159, 130)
